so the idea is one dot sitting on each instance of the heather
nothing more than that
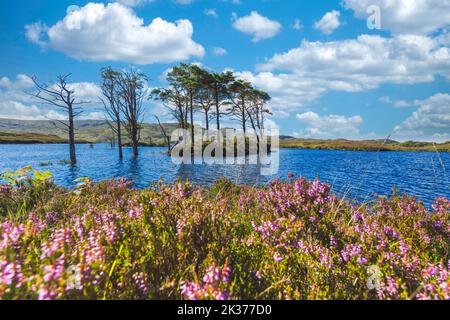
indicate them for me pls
(292, 239)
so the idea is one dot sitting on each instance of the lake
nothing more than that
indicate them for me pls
(361, 174)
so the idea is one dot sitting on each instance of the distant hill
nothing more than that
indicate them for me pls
(86, 130)
(46, 131)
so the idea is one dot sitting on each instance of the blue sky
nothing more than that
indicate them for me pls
(330, 76)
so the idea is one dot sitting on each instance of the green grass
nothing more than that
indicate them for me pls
(29, 138)
(364, 145)
(288, 240)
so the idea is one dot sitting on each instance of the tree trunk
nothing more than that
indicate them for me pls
(191, 102)
(186, 116)
(135, 143)
(119, 138)
(217, 111)
(244, 124)
(207, 120)
(73, 156)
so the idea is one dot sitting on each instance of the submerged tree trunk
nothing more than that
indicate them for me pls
(119, 138)
(73, 155)
(191, 102)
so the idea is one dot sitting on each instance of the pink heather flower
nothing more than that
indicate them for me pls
(277, 257)
(136, 213)
(362, 260)
(141, 281)
(211, 287)
(5, 188)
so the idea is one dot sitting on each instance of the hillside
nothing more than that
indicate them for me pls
(87, 131)
(29, 138)
(45, 131)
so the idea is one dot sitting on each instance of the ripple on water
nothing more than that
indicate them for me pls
(362, 174)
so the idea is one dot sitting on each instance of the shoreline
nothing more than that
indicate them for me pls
(8, 138)
(445, 148)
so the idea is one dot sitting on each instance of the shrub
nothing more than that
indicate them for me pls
(289, 240)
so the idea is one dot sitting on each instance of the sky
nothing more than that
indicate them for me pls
(355, 69)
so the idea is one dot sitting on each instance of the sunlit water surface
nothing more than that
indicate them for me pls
(361, 175)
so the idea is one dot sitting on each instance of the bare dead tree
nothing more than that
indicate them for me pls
(132, 91)
(62, 96)
(111, 104)
(165, 134)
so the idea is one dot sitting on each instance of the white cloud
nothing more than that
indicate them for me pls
(218, 51)
(301, 75)
(211, 12)
(22, 82)
(329, 22)
(35, 32)
(297, 25)
(86, 91)
(430, 122)
(256, 25)
(98, 32)
(133, 3)
(184, 1)
(396, 103)
(288, 91)
(16, 103)
(406, 16)
(330, 126)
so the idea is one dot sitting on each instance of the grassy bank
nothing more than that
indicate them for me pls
(32, 138)
(365, 145)
(290, 240)
(29, 138)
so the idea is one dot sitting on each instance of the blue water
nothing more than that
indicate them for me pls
(359, 174)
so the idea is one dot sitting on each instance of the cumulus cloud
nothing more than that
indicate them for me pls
(297, 25)
(218, 51)
(301, 75)
(330, 126)
(256, 25)
(329, 22)
(396, 103)
(211, 12)
(406, 17)
(430, 122)
(22, 82)
(112, 32)
(16, 103)
(133, 3)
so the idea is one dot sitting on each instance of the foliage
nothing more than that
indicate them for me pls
(24, 189)
(293, 239)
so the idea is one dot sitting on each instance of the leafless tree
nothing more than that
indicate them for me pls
(111, 104)
(62, 96)
(164, 133)
(132, 90)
